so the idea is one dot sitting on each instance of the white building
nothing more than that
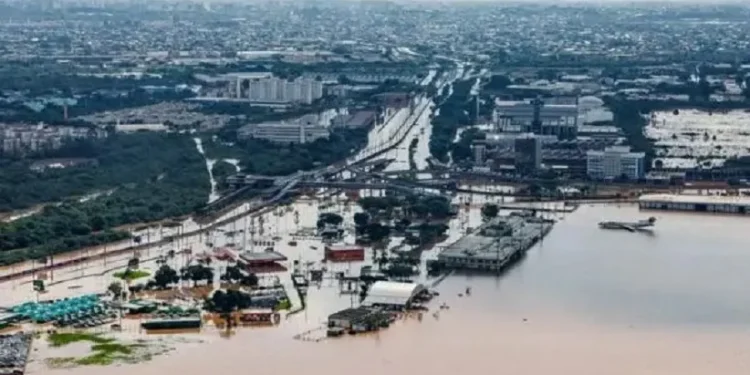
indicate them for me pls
(615, 162)
(264, 87)
(392, 294)
(281, 132)
(305, 129)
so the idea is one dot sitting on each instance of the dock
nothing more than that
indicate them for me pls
(739, 205)
(497, 244)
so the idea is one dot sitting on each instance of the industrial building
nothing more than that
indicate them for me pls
(304, 129)
(560, 120)
(393, 295)
(307, 128)
(284, 132)
(697, 203)
(499, 151)
(615, 162)
(495, 244)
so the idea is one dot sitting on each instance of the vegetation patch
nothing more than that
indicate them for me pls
(130, 275)
(154, 176)
(104, 351)
(62, 339)
(259, 156)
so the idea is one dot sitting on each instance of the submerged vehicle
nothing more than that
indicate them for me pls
(629, 226)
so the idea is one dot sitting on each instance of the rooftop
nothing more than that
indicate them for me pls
(342, 247)
(509, 232)
(392, 293)
(353, 313)
(361, 118)
(264, 256)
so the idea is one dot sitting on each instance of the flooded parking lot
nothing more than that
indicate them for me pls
(692, 138)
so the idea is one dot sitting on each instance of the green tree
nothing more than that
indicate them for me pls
(489, 211)
(116, 289)
(165, 276)
(329, 218)
(361, 219)
(377, 232)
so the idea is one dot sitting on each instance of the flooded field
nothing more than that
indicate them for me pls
(691, 138)
(671, 301)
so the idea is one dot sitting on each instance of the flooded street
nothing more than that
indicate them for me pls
(585, 300)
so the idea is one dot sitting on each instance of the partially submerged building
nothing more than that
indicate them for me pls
(352, 318)
(497, 244)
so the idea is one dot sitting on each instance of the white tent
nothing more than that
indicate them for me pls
(392, 293)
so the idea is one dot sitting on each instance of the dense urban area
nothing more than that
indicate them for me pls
(176, 164)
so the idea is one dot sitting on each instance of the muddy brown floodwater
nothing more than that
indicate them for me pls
(585, 301)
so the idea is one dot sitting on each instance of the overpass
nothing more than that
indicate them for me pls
(328, 171)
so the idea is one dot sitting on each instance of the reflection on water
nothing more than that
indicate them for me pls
(585, 301)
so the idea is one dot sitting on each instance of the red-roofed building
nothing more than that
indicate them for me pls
(344, 253)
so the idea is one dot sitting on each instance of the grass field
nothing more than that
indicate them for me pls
(104, 351)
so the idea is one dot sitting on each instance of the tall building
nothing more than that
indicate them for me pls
(264, 87)
(615, 162)
(537, 117)
(527, 153)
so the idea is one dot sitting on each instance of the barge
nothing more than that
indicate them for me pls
(738, 205)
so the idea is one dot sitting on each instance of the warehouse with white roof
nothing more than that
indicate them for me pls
(392, 294)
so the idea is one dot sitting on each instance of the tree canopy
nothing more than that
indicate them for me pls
(160, 176)
(489, 211)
